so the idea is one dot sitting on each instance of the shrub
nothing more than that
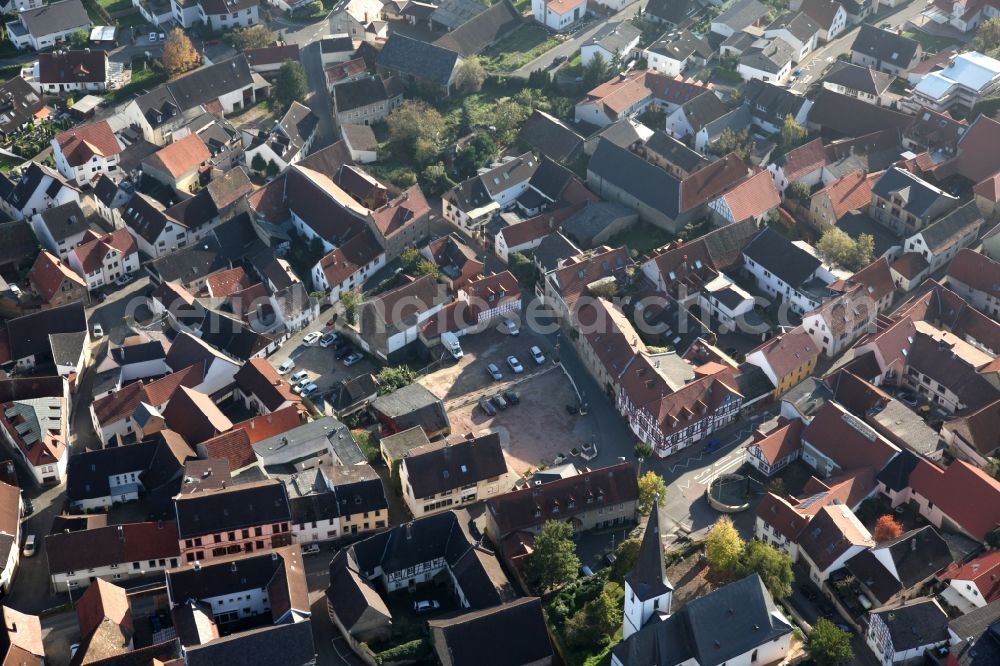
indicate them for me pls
(415, 649)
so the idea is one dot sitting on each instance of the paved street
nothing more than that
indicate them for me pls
(816, 63)
(571, 45)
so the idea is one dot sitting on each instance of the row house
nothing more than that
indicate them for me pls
(786, 272)
(115, 553)
(976, 278)
(246, 518)
(102, 260)
(36, 429)
(934, 246)
(84, 153)
(471, 203)
(354, 503)
(673, 421)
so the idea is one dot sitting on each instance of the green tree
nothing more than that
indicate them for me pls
(773, 566)
(595, 71)
(603, 612)
(258, 163)
(829, 645)
(522, 268)
(393, 377)
(272, 169)
(652, 489)
(506, 118)
(427, 267)
(642, 451)
(839, 248)
(554, 561)
(470, 75)
(408, 260)
(415, 130)
(477, 153)
(800, 193)
(436, 180)
(617, 61)
(988, 36)
(291, 84)
(79, 39)
(349, 300)
(729, 141)
(723, 548)
(626, 555)
(254, 37)
(792, 133)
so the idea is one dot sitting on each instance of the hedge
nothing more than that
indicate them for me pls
(415, 649)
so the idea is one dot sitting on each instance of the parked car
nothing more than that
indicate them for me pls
(487, 407)
(312, 338)
(586, 571)
(907, 397)
(308, 389)
(29, 546)
(511, 397)
(426, 606)
(510, 327)
(98, 331)
(713, 445)
(123, 280)
(310, 549)
(343, 352)
(286, 366)
(29, 508)
(515, 365)
(537, 354)
(298, 377)
(494, 372)
(152, 37)
(328, 339)
(352, 358)
(499, 401)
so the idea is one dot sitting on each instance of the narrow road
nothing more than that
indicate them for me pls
(571, 45)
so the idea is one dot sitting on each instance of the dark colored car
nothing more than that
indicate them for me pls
(713, 445)
(487, 407)
(29, 508)
(511, 397)
(343, 352)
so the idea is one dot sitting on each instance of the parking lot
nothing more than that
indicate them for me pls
(324, 369)
(537, 429)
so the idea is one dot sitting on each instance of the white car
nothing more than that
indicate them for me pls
(537, 354)
(511, 328)
(298, 377)
(98, 331)
(286, 366)
(352, 358)
(152, 37)
(515, 365)
(312, 338)
(29, 546)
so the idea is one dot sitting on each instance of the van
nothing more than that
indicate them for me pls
(29, 546)
(450, 342)
(310, 549)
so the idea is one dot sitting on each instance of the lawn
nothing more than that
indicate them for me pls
(930, 43)
(640, 238)
(115, 5)
(518, 48)
(145, 76)
(7, 163)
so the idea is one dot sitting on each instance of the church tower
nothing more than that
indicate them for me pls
(647, 590)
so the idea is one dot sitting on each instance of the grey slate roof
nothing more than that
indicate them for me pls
(885, 45)
(231, 508)
(453, 13)
(55, 17)
(551, 251)
(703, 109)
(681, 45)
(450, 465)
(677, 12)
(744, 609)
(67, 347)
(615, 36)
(646, 182)
(191, 263)
(798, 24)
(29, 334)
(957, 222)
(770, 102)
(481, 30)
(465, 635)
(919, 623)
(418, 59)
(856, 77)
(676, 152)
(359, 93)
(551, 137)
(583, 225)
(770, 57)
(785, 260)
(648, 579)
(196, 88)
(916, 555)
(982, 626)
(288, 644)
(742, 13)
(919, 196)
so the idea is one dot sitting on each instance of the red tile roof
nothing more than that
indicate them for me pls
(92, 253)
(610, 335)
(222, 284)
(183, 155)
(781, 442)
(194, 416)
(257, 377)
(989, 187)
(123, 402)
(977, 159)
(976, 270)
(910, 265)
(979, 428)
(966, 494)
(48, 274)
(848, 441)
(408, 207)
(234, 446)
(349, 258)
(805, 159)
(876, 278)
(488, 292)
(343, 70)
(852, 192)
(753, 197)
(789, 352)
(272, 55)
(710, 181)
(81, 143)
(983, 572)
(783, 518)
(563, 6)
(264, 426)
(103, 601)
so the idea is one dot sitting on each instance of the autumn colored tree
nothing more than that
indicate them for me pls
(887, 528)
(723, 547)
(179, 54)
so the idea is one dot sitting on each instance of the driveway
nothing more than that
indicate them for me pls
(324, 369)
